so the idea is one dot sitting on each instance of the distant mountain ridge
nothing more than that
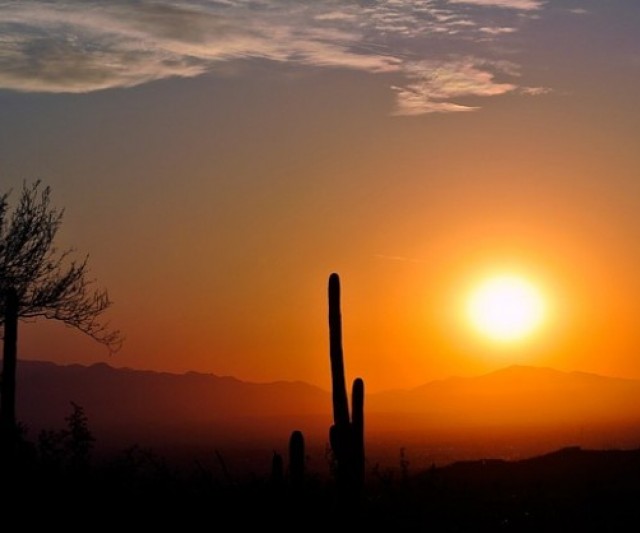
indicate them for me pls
(520, 395)
(132, 405)
(125, 401)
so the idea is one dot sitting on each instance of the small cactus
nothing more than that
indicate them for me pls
(277, 470)
(296, 459)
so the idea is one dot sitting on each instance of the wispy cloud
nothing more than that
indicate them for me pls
(75, 47)
(399, 258)
(579, 11)
(493, 30)
(437, 84)
(535, 91)
(526, 5)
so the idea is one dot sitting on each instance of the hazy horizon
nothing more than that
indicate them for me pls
(327, 386)
(514, 413)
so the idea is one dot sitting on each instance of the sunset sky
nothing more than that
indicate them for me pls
(219, 159)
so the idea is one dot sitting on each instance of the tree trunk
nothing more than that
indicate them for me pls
(8, 428)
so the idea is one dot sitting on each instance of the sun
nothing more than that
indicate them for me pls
(506, 308)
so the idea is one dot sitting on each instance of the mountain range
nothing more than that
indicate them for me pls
(518, 403)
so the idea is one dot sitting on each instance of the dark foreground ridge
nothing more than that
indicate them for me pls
(568, 490)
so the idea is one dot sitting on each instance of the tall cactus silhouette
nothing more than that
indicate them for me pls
(346, 435)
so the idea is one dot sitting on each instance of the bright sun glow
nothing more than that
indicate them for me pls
(506, 308)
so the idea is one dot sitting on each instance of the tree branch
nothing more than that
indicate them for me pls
(48, 285)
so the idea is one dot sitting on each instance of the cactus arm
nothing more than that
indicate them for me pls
(357, 430)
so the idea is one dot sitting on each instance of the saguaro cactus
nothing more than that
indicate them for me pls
(277, 470)
(296, 458)
(338, 385)
(346, 435)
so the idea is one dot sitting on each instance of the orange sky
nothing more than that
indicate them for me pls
(216, 198)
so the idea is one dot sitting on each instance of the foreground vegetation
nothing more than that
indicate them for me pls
(569, 490)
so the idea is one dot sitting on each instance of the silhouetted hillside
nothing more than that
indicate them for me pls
(520, 396)
(133, 405)
(567, 490)
(514, 412)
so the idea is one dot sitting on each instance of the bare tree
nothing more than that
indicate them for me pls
(38, 280)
